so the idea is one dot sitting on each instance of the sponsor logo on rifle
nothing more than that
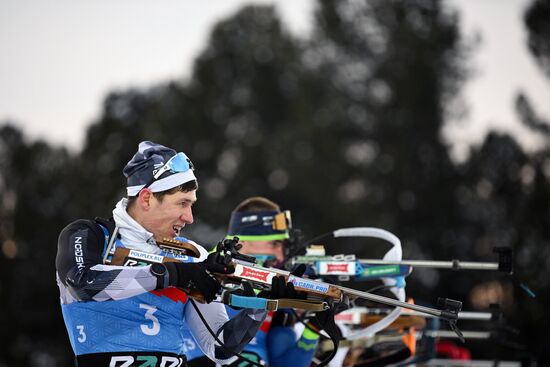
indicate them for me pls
(183, 258)
(382, 270)
(309, 284)
(254, 274)
(337, 268)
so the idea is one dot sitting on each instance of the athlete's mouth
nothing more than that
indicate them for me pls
(177, 230)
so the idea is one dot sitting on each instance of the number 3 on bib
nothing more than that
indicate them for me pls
(147, 329)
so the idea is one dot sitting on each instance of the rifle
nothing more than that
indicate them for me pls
(370, 268)
(319, 295)
(505, 262)
(260, 277)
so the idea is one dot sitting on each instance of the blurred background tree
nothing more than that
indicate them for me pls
(36, 200)
(343, 128)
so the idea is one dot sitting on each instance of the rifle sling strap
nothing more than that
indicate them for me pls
(274, 304)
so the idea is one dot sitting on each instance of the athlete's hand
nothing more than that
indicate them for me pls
(215, 263)
(193, 276)
(282, 289)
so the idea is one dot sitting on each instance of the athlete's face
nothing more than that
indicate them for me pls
(274, 248)
(166, 217)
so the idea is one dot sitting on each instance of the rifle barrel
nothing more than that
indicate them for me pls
(455, 264)
(393, 302)
(462, 315)
(452, 334)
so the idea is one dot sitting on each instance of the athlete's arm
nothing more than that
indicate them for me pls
(235, 333)
(81, 272)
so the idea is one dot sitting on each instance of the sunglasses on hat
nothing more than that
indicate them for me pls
(177, 163)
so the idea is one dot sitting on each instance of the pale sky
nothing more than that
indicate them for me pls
(503, 67)
(59, 58)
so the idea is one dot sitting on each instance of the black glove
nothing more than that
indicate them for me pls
(299, 270)
(282, 289)
(193, 276)
(216, 263)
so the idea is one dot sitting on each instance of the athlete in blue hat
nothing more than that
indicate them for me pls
(265, 231)
(122, 316)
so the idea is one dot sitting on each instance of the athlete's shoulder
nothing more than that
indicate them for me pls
(82, 225)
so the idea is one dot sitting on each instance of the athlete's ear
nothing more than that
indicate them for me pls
(144, 199)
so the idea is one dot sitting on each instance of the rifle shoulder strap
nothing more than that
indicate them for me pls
(334, 334)
(105, 228)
